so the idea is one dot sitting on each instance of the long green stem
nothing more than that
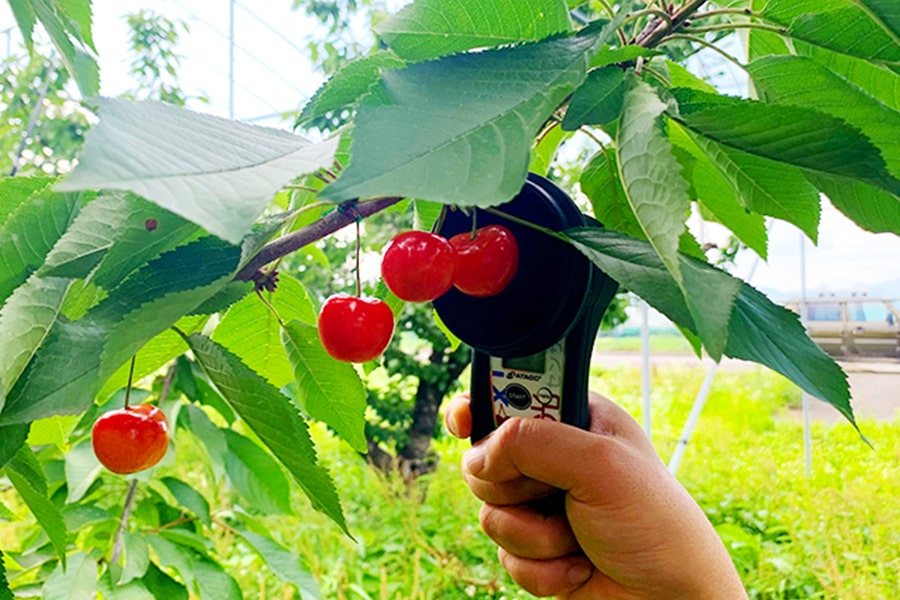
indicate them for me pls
(521, 221)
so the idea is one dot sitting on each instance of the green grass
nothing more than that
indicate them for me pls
(660, 343)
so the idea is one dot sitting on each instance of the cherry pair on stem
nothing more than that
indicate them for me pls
(418, 266)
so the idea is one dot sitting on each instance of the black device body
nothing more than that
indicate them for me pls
(531, 343)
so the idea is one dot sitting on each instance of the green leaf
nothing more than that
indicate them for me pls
(284, 563)
(162, 586)
(25, 19)
(112, 232)
(875, 79)
(600, 182)
(651, 176)
(153, 355)
(253, 333)
(189, 498)
(426, 214)
(193, 383)
(15, 191)
(27, 476)
(136, 559)
(29, 233)
(78, 13)
(679, 76)
(5, 592)
(608, 55)
(89, 350)
(273, 418)
(870, 208)
(348, 85)
(847, 26)
(805, 138)
(544, 151)
(213, 583)
(12, 438)
(717, 194)
(82, 469)
(78, 62)
(471, 145)
(216, 173)
(759, 330)
(81, 297)
(77, 582)
(330, 390)
(599, 99)
(133, 590)
(211, 436)
(25, 321)
(256, 476)
(803, 82)
(428, 29)
(173, 556)
(761, 185)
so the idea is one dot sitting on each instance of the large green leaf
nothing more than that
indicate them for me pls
(273, 417)
(119, 232)
(217, 173)
(348, 85)
(70, 33)
(601, 183)
(459, 130)
(78, 356)
(136, 558)
(27, 476)
(212, 582)
(428, 29)
(599, 99)
(809, 139)
(79, 580)
(870, 208)
(719, 196)
(847, 26)
(162, 586)
(650, 174)
(189, 498)
(331, 390)
(877, 80)
(15, 191)
(256, 476)
(252, 332)
(761, 185)
(28, 234)
(12, 438)
(25, 321)
(804, 82)
(284, 563)
(82, 469)
(758, 330)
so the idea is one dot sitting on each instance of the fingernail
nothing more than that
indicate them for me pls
(474, 459)
(452, 425)
(579, 573)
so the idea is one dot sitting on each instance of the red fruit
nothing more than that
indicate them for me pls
(418, 266)
(486, 263)
(355, 329)
(131, 439)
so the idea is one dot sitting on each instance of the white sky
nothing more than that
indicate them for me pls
(273, 74)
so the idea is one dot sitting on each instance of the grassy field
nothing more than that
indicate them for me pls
(660, 343)
(835, 534)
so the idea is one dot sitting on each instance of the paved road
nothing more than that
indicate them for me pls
(874, 386)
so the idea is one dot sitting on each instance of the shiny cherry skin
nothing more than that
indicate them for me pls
(418, 266)
(131, 439)
(355, 329)
(486, 263)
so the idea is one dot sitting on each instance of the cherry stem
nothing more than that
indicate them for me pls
(130, 380)
(536, 227)
(270, 307)
(123, 522)
(474, 224)
(358, 252)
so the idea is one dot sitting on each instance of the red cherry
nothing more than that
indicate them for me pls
(131, 439)
(418, 266)
(486, 263)
(355, 329)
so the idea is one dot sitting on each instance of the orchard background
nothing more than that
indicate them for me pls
(163, 242)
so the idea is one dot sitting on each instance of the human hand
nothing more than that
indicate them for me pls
(630, 530)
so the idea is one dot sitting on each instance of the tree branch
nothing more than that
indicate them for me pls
(657, 29)
(346, 214)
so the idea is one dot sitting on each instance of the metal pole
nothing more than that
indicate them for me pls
(645, 366)
(805, 398)
(231, 59)
(693, 418)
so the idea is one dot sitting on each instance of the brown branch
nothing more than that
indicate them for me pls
(346, 214)
(657, 29)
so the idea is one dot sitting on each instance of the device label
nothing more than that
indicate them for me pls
(529, 387)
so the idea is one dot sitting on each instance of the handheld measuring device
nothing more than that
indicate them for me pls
(531, 343)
